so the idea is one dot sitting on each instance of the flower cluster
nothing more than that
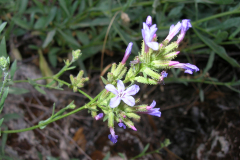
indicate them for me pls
(116, 101)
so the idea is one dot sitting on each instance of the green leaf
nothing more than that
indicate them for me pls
(23, 6)
(2, 26)
(3, 49)
(217, 49)
(107, 156)
(176, 11)
(52, 56)
(234, 33)
(145, 149)
(1, 121)
(49, 38)
(21, 23)
(41, 122)
(40, 90)
(53, 109)
(90, 51)
(4, 96)
(89, 23)
(13, 69)
(105, 117)
(209, 63)
(4, 141)
(222, 1)
(69, 38)
(51, 16)
(122, 155)
(41, 23)
(83, 37)
(64, 6)
(201, 95)
(124, 36)
(17, 91)
(11, 116)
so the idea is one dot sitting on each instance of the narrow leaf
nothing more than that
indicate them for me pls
(4, 96)
(3, 50)
(2, 26)
(69, 38)
(64, 6)
(40, 90)
(13, 69)
(217, 49)
(23, 6)
(49, 38)
(21, 23)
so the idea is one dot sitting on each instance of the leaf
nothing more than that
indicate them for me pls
(17, 91)
(2, 26)
(222, 1)
(45, 70)
(51, 16)
(209, 63)
(126, 39)
(21, 23)
(3, 50)
(176, 11)
(69, 38)
(83, 37)
(1, 121)
(122, 155)
(217, 49)
(4, 96)
(107, 156)
(90, 51)
(41, 22)
(41, 122)
(201, 95)
(234, 33)
(52, 56)
(49, 38)
(23, 6)
(91, 23)
(4, 141)
(11, 116)
(64, 6)
(13, 69)
(40, 90)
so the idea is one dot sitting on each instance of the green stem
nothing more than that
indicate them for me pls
(20, 81)
(85, 94)
(44, 124)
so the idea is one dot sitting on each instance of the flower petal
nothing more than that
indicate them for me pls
(153, 104)
(129, 100)
(111, 88)
(120, 86)
(115, 101)
(132, 90)
(153, 45)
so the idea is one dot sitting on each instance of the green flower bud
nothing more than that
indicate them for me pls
(114, 65)
(134, 116)
(122, 73)
(146, 80)
(111, 119)
(110, 77)
(71, 106)
(160, 64)
(80, 74)
(151, 73)
(118, 69)
(76, 54)
(168, 49)
(4, 62)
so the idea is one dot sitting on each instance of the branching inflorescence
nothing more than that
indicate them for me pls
(116, 101)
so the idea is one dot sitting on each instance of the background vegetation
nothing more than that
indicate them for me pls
(42, 33)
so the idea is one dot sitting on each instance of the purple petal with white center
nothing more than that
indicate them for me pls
(120, 86)
(115, 101)
(132, 90)
(111, 88)
(129, 100)
(153, 45)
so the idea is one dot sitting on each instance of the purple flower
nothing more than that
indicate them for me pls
(99, 116)
(189, 68)
(122, 94)
(122, 125)
(164, 74)
(153, 111)
(148, 34)
(112, 136)
(174, 30)
(185, 26)
(127, 53)
(149, 21)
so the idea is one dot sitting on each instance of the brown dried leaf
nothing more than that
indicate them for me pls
(80, 139)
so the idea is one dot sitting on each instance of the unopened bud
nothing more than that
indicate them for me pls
(76, 54)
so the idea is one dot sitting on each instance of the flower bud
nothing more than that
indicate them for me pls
(76, 54)
(127, 53)
(4, 62)
(149, 21)
(111, 119)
